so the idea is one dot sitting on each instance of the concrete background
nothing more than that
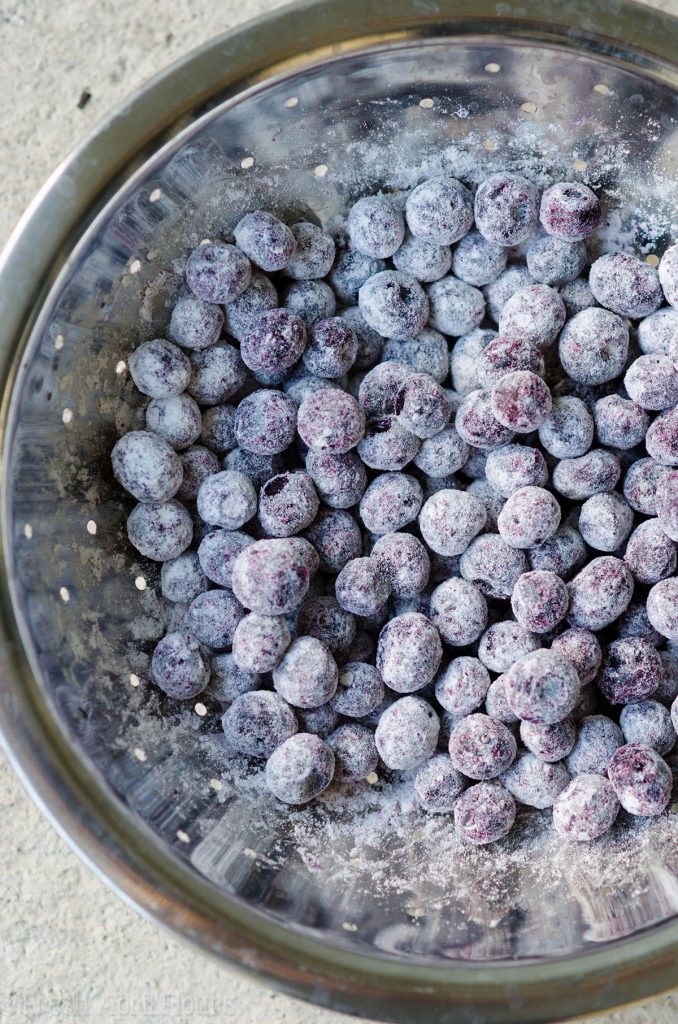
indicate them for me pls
(70, 950)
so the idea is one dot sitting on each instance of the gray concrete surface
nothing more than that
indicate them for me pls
(71, 951)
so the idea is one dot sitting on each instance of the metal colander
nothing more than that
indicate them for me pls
(299, 113)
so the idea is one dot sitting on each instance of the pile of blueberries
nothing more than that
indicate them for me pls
(412, 486)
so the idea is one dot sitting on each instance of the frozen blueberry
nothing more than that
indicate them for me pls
(458, 611)
(539, 601)
(437, 785)
(656, 331)
(387, 444)
(330, 421)
(423, 260)
(310, 301)
(227, 499)
(582, 649)
(159, 368)
(450, 520)
(535, 314)
(497, 705)
(569, 210)
(439, 210)
(648, 722)
(504, 356)
(288, 503)
(300, 769)
(271, 577)
(484, 813)
(476, 423)
(370, 342)
(498, 292)
(394, 304)
(585, 809)
(626, 285)
(475, 465)
(218, 551)
(478, 261)
(307, 674)
(641, 779)
(632, 670)
(257, 466)
(180, 666)
(661, 439)
(320, 721)
(355, 752)
(599, 593)
(548, 742)
(340, 480)
(506, 207)
(197, 463)
(530, 516)
(218, 428)
(666, 507)
(464, 359)
(362, 586)
(652, 382)
(493, 565)
(650, 554)
(349, 273)
(160, 530)
(265, 422)
(506, 642)
(360, 690)
(643, 487)
(404, 561)
(274, 342)
(514, 466)
(228, 681)
(635, 623)
(409, 652)
(407, 733)
(390, 502)
(668, 274)
(181, 578)
(217, 272)
(213, 616)
(268, 242)
(568, 431)
(195, 324)
(336, 537)
(491, 499)
(442, 454)
(376, 226)
(455, 307)
(542, 687)
(258, 297)
(620, 422)
(146, 466)
(462, 686)
(577, 295)
(597, 471)
(300, 384)
(325, 619)
(555, 261)
(521, 401)
(257, 723)
(314, 253)
(535, 782)
(260, 641)
(605, 520)
(176, 419)
(379, 387)
(662, 607)
(427, 353)
(332, 348)
(217, 373)
(422, 406)
(481, 748)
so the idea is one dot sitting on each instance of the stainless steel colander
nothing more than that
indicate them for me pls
(299, 112)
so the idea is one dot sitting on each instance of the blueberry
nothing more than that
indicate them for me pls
(585, 809)
(643, 488)
(422, 406)
(443, 454)
(160, 530)
(506, 208)
(387, 444)
(535, 314)
(394, 304)
(648, 722)
(530, 516)
(266, 240)
(195, 324)
(197, 463)
(159, 368)
(439, 210)
(217, 374)
(407, 733)
(307, 675)
(218, 551)
(227, 499)
(514, 466)
(349, 273)
(582, 649)
(258, 297)
(503, 643)
(259, 642)
(567, 432)
(542, 687)
(464, 359)
(271, 577)
(555, 261)
(632, 671)
(409, 652)
(355, 752)
(492, 565)
(476, 423)
(605, 521)
(498, 292)
(274, 342)
(218, 429)
(362, 586)
(370, 342)
(521, 401)
(265, 422)
(626, 285)
(257, 723)
(425, 261)
(320, 721)
(360, 690)
(462, 686)
(563, 553)
(176, 419)
(485, 813)
(458, 611)
(405, 562)
(390, 502)
(478, 261)
(661, 439)
(340, 480)
(146, 466)
(300, 769)
(651, 381)
(534, 782)
(180, 666)
(481, 747)
(503, 356)
(217, 272)
(376, 227)
(641, 779)
(650, 554)
(288, 503)
(378, 388)
(577, 295)
(228, 681)
(427, 353)
(314, 253)
(668, 274)
(549, 743)
(599, 593)
(213, 616)
(450, 520)
(455, 307)
(182, 578)
(570, 210)
(325, 619)
(438, 785)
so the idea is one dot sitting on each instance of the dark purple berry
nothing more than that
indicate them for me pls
(425, 261)
(407, 733)
(266, 240)
(159, 368)
(443, 454)
(422, 406)
(632, 671)
(212, 617)
(300, 769)
(340, 480)
(409, 652)
(555, 261)
(530, 516)
(360, 690)
(394, 304)
(648, 722)
(307, 674)
(376, 226)
(661, 439)
(641, 779)
(258, 297)
(505, 355)
(217, 373)
(599, 593)
(577, 295)
(504, 643)
(288, 503)
(605, 521)
(657, 331)
(160, 530)
(506, 207)
(652, 382)
(498, 292)
(626, 285)
(379, 387)
(146, 466)
(535, 314)
(217, 272)
(195, 324)
(644, 490)
(330, 421)
(462, 686)
(458, 611)
(437, 785)
(465, 359)
(521, 401)
(534, 782)
(197, 463)
(180, 666)
(265, 422)
(668, 274)
(650, 554)
(314, 253)
(549, 742)
(182, 578)
(455, 307)
(362, 586)
(540, 601)
(349, 273)
(591, 474)
(493, 565)
(439, 210)
(218, 429)
(568, 431)
(310, 301)
(478, 261)
(387, 444)
(404, 561)
(569, 210)
(370, 342)
(274, 342)
(332, 348)
(257, 723)
(476, 423)
(450, 520)
(390, 502)
(481, 748)
(484, 813)
(228, 681)
(585, 809)
(514, 466)
(259, 642)
(427, 353)
(355, 752)
(325, 619)
(542, 687)
(271, 577)
(582, 649)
